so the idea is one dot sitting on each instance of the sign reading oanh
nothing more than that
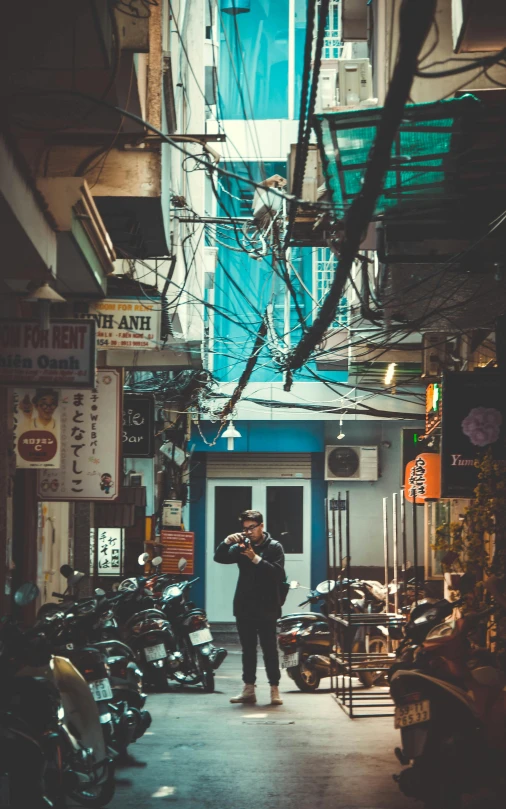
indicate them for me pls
(64, 356)
(126, 323)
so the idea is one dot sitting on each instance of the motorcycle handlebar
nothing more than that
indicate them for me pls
(57, 595)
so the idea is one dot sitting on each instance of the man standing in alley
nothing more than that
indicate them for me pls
(258, 598)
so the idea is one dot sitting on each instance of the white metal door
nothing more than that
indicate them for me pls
(281, 499)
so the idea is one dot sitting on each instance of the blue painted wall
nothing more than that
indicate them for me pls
(265, 436)
(318, 528)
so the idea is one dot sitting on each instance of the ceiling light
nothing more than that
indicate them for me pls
(44, 296)
(231, 433)
(390, 373)
(341, 434)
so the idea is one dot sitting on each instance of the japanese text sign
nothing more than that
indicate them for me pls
(110, 551)
(37, 428)
(423, 478)
(90, 452)
(64, 356)
(177, 545)
(127, 323)
(138, 426)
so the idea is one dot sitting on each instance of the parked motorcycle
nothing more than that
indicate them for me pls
(306, 642)
(450, 708)
(49, 725)
(199, 658)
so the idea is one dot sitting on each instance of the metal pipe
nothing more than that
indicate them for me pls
(415, 548)
(395, 551)
(404, 548)
(385, 545)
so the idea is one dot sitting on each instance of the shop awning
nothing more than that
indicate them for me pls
(424, 161)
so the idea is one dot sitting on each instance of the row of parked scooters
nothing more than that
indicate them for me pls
(448, 689)
(73, 684)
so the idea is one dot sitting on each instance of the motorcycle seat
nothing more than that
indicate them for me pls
(310, 617)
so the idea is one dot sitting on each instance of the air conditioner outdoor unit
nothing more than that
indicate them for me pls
(351, 463)
(354, 82)
(327, 90)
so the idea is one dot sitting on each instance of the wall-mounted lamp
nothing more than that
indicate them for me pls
(44, 296)
(231, 433)
(341, 434)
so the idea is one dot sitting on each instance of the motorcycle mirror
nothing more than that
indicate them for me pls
(75, 578)
(325, 587)
(99, 591)
(27, 593)
(66, 571)
(181, 565)
(143, 558)
(294, 585)
(157, 561)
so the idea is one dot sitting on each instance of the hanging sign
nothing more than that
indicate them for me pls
(126, 323)
(432, 407)
(110, 544)
(64, 356)
(37, 427)
(171, 513)
(177, 545)
(474, 421)
(90, 452)
(423, 478)
(138, 426)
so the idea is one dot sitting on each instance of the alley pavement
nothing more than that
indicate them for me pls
(203, 753)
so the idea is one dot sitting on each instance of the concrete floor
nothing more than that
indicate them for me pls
(203, 753)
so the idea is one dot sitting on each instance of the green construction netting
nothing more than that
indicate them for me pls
(423, 168)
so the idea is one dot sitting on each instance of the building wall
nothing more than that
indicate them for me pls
(366, 498)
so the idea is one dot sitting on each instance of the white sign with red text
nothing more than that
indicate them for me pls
(127, 323)
(90, 454)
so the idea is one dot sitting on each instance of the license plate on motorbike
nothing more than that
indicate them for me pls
(290, 661)
(157, 652)
(101, 689)
(201, 636)
(413, 714)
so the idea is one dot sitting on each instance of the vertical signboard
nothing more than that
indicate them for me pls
(110, 543)
(90, 454)
(36, 420)
(474, 421)
(138, 425)
(177, 545)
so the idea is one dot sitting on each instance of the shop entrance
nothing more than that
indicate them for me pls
(286, 506)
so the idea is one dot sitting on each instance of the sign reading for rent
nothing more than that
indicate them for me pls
(63, 356)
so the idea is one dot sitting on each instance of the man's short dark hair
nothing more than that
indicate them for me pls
(249, 514)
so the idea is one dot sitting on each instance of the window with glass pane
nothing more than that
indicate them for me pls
(229, 502)
(332, 45)
(325, 264)
(284, 518)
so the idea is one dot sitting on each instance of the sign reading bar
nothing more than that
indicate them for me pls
(474, 420)
(64, 356)
(126, 323)
(177, 545)
(138, 425)
(90, 451)
(37, 428)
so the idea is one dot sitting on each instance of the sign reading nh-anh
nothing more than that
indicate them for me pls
(63, 356)
(126, 323)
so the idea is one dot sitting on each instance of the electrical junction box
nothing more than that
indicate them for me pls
(351, 463)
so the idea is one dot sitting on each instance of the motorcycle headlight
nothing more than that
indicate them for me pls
(172, 592)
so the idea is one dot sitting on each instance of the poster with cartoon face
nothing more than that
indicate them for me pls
(36, 419)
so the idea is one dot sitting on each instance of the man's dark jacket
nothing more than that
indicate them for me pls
(258, 588)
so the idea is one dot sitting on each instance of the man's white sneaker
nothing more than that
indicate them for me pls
(275, 697)
(247, 694)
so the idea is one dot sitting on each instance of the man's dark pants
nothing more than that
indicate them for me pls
(252, 630)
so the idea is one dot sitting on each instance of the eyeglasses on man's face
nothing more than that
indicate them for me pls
(248, 529)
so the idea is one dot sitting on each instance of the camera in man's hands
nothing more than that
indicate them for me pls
(244, 543)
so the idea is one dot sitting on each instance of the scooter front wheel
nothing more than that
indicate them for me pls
(304, 679)
(95, 795)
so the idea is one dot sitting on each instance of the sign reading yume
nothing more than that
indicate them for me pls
(110, 543)
(177, 545)
(126, 323)
(37, 427)
(64, 356)
(474, 422)
(423, 478)
(138, 425)
(90, 452)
